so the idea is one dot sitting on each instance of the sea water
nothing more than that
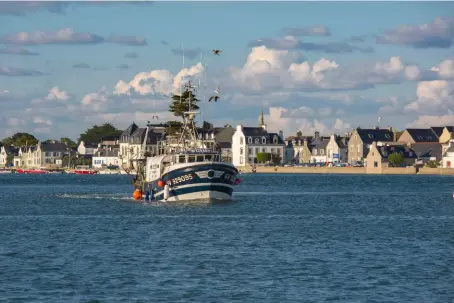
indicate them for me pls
(284, 238)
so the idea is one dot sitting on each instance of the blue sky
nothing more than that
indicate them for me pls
(83, 50)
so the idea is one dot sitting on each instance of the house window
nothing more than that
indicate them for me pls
(373, 154)
(315, 152)
(241, 141)
(263, 140)
(257, 140)
(375, 164)
(321, 152)
(272, 150)
(359, 146)
(241, 160)
(410, 154)
(257, 150)
(275, 139)
(263, 150)
(249, 140)
(250, 151)
(241, 151)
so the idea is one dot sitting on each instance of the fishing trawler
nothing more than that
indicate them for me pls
(184, 170)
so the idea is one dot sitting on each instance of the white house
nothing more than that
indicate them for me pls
(5, 152)
(247, 142)
(86, 148)
(336, 149)
(106, 155)
(131, 141)
(448, 157)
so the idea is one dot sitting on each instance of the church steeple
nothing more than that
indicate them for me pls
(262, 120)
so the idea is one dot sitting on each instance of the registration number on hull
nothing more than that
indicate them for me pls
(179, 179)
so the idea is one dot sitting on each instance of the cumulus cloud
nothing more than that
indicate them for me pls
(159, 82)
(437, 34)
(277, 119)
(18, 72)
(55, 94)
(290, 42)
(431, 120)
(433, 97)
(66, 36)
(268, 70)
(315, 30)
(17, 51)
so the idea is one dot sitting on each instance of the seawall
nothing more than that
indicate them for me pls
(350, 170)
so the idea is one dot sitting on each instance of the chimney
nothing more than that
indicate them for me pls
(239, 127)
(281, 134)
(377, 127)
(390, 128)
(316, 135)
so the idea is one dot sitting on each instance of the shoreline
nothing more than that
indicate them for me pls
(350, 170)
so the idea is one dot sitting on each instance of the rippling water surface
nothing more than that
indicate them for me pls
(285, 238)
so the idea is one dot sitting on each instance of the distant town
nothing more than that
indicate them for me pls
(106, 147)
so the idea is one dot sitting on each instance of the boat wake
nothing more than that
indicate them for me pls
(95, 196)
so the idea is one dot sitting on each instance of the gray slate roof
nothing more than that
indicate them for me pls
(423, 134)
(426, 150)
(397, 149)
(370, 135)
(54, 147)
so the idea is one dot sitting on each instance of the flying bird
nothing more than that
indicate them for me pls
(216, 51)
(213, 97)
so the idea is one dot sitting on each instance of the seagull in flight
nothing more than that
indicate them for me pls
(213, 97)
(217, 52)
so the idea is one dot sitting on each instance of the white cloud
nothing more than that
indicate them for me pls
(278, 119)
(273, 70)
(432, 120)
(445, 69)
(433, 97)
(161, 82)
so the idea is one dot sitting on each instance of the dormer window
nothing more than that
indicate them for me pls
(275, 139)
(370, 136)
(249, 140)
(241, 141)
(430, 137)
(257, 140)
(387, 136)
(263, 140)
(419, 137)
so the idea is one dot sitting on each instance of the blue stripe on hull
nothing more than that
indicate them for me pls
(228, 176)
(194, 189)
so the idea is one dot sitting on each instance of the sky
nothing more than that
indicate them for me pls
(310, 66)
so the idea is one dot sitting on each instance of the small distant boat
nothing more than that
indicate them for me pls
(84, 172)
(4, 171)
(31, 171)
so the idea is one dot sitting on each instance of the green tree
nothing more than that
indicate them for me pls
(263, 157)
(276, 158)
(96, 133)
(68, 142)
(9, 159)
(187, 102)
(432, 164)
(20, 139)
(299, 133)
(395, 159)
(398, 134)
